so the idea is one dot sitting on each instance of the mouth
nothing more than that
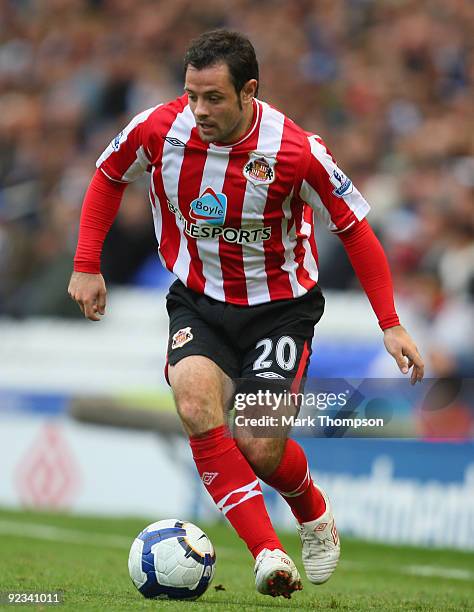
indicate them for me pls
(206, 127)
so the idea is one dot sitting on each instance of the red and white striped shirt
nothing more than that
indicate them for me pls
(235, 222)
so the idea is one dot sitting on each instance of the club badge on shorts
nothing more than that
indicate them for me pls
(181, 337)
(260, 170)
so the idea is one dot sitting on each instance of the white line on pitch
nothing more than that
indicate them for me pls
(414, 570)
(62, 534)
(441, 572)
(71, 536)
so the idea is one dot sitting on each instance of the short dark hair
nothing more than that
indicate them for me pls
(228, 46)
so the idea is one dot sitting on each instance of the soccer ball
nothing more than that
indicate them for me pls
(171, 559)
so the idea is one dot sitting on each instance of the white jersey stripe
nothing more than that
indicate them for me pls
(289, 242)
(172, 161)
(308, 262)
(121, 139)
(213, 176)
(157, 218)
(138, 167)
(311, 196)
(354, 200)
(269, 143)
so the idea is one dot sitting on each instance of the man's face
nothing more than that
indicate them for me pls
(221, 114)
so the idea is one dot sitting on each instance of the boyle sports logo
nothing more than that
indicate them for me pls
(209, 208)
(209, 211)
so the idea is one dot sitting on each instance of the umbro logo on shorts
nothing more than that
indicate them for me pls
(269, 375)
(181, 337)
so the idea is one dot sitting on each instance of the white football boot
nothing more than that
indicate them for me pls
(321, 546)
(276, 574)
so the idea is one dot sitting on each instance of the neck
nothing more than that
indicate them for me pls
(244, 125)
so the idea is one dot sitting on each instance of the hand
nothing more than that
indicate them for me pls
(402, 348)
(88, 290)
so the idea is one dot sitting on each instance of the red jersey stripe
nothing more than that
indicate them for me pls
(231, 256)
(278, 280)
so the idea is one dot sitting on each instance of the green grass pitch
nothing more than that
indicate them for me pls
(86, 558)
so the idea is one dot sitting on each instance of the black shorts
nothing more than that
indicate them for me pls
(267, 342)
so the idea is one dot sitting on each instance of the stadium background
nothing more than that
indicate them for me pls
(86, 421)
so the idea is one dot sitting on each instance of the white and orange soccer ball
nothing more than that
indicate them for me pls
(172, 559)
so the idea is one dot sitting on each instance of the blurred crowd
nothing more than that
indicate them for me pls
(389, 84)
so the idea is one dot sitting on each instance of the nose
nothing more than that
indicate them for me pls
(201, 110)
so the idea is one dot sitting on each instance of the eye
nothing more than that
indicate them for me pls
(214, 98)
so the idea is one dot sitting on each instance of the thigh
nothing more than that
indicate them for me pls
(202, 393)
(191, 333)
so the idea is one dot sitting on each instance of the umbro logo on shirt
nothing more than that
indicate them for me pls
(175, 142)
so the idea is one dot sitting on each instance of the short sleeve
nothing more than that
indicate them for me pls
(329, 191)
(127, 157)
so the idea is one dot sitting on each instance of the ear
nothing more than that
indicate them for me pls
(247, 93)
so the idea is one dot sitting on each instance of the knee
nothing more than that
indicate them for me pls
(197, 397)
(198, 412)
(190, 410)
(264, 455)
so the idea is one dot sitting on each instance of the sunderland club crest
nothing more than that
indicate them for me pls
(181, 337)
(260, 170)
